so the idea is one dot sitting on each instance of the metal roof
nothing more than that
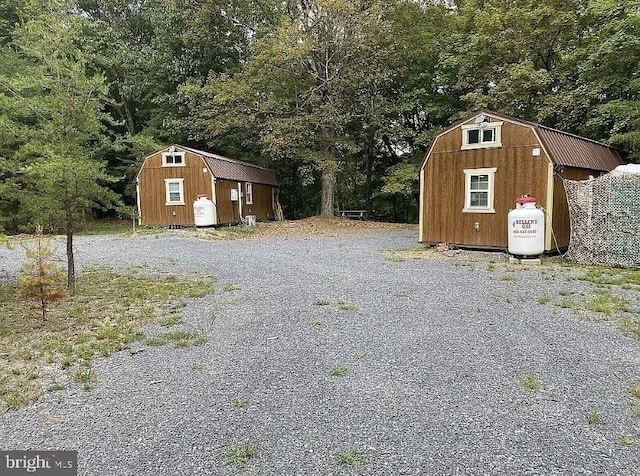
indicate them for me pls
(231, 169)
(569, 149)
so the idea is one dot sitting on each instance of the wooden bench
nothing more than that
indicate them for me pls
(354, 214)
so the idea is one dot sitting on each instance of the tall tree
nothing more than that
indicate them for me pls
(53, 105)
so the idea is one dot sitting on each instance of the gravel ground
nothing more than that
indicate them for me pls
(434, 354)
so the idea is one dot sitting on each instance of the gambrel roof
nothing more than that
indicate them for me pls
(232, 169)
(562, 148)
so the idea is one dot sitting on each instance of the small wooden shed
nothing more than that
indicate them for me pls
(474, 171)
(170, 180)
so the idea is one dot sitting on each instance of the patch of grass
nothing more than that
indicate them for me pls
(321, 302)
(338, 371)
(241, 455)
(490, 267)
(509, 277)
(401, 294)
(170, 319)
(229, 301)
(565, 292)
(241, 403)
(103, 316)
(317, 323)
(230, 287)
(221, 233)
(567, 304)
(627, 278)
(180, 339)
(530, 382)
(607, 303)
(345, 306)
(626, 440)
(394, 258)
(544, 299)
(353, 457)
(87, 377)
(54, 387)
(594, 417)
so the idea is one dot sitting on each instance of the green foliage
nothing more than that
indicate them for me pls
(41, 279)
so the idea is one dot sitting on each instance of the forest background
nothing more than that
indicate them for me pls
(341, 98)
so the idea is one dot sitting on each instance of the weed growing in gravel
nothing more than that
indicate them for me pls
(353, 457)
(544, 299)
(180, 339)
(634, 392)
(241, 403)
(229, 288)
(229, 301)
(345, 306)
(628, 278)
(565, 292)
(317, 323)
(490, 267)
(54, 387)
(395, 259)
(241, 455)
(567, 304)
(509, 277)
(594, 417)
(530, 382)
(338, 371)
(322, 302)
(626, 440)
(87, 377)
(401, 294)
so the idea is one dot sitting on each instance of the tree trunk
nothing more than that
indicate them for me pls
(68, 227)
(328, 189)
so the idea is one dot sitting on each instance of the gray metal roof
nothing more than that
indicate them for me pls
(231, 169)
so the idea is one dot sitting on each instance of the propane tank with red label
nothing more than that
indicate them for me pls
(526, 228)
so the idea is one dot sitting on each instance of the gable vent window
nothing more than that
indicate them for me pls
(482, 135)
(173, 159)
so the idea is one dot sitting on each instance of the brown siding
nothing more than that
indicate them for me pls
(262, 206)
(151, 182)
(518, 172)
(561, 224)
(228, 212)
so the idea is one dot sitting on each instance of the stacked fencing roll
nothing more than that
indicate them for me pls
(605, 220)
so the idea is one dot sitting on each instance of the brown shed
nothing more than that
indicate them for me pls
(475, 169)
(170, 180)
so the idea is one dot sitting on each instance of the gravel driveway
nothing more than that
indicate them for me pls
(435, 353)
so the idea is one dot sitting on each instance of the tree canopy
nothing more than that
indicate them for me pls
(341, 98)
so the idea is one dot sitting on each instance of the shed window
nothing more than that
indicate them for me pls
(175, 191)
(478, 190)
(248, 193)
(173, 159)
(481, 135)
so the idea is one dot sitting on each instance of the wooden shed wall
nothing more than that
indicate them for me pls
(228, 212)
(263, 206)
(151, 182)
(518, 172)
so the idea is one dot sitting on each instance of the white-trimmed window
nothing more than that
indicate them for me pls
(248, 193)
(175, 191)
(482, 135)
(478, 190)
(173, 159)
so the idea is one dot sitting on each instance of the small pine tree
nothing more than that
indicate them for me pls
(41, 279)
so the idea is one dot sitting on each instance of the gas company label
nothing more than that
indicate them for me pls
(525, 226)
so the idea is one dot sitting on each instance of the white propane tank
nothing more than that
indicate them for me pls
(526, 228)
(203, 211)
